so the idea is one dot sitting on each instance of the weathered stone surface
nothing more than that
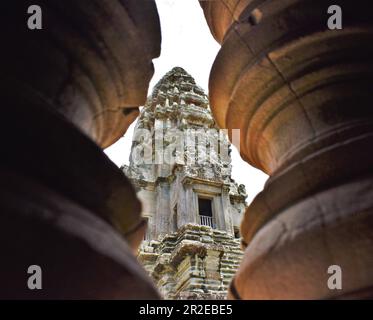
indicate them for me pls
(92, 61)
(187, 260)
(54, 153)
(81, 256)
(300, 93)
(196, 262)
(68, 90)
(170, 176)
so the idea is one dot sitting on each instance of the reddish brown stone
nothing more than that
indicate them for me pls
(69, 90)
(301, 95)
(92, 61)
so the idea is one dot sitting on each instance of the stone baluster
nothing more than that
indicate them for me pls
(301, 95)
(68, 90)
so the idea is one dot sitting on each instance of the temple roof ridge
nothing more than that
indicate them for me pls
(178, 77)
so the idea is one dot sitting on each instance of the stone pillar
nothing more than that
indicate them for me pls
(301, 96)
(69, 90)
(226, 206)
(163, 214)
(219, 213)
(191, 202)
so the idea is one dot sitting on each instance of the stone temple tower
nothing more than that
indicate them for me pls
(180, 165)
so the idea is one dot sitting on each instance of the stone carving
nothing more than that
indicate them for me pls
(196, 262)
(177, 247)
(189, 110)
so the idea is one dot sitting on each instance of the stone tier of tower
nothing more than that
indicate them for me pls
(196, 262)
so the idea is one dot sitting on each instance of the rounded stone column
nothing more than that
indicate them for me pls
(301, 95)
(68, 90)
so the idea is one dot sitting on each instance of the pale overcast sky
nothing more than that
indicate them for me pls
(188, 43)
